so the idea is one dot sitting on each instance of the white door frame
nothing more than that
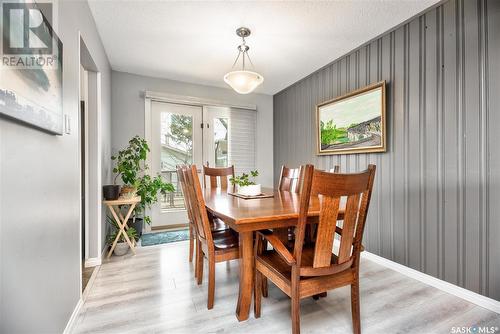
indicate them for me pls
(172, 217)
(150, 97)
(93, 153)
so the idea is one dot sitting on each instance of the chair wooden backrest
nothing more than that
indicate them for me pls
(187, 204)
(330, 188)
(290, 179)
(198, 209)
(218, 176)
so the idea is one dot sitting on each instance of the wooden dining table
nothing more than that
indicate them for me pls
(246, 216)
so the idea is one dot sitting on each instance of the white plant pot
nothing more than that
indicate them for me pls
(252, 190)
(121, 249)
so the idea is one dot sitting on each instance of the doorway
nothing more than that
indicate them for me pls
(90, 165)
(184, 134)
(177, 139)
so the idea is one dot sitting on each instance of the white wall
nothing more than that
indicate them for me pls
(40, 197)
(128, 112)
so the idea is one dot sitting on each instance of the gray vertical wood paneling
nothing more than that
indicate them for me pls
(492, 87)
(384, 181)
(397, 87)
(430, 143)
(472, 151)
(413, 144)
(434, 206)
(450, 153)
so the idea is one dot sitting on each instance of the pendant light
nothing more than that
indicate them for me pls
(243, 81)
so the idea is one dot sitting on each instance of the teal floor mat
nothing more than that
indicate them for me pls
(157, 238)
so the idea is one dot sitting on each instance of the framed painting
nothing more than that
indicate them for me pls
(31, 69)
(352, 123)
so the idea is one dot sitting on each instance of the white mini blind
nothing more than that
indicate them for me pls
(242, 129)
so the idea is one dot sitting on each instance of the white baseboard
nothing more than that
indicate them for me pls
(71, 321)
(480, 300)
(93, 262)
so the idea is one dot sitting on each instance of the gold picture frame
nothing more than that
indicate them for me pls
(353, 123)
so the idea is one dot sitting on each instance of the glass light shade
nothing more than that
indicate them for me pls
(243, 82)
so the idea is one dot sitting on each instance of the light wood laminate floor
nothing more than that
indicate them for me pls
(154, 292)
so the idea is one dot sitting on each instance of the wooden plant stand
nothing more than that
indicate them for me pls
(113, 207)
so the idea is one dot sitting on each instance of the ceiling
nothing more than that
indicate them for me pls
(196, 41)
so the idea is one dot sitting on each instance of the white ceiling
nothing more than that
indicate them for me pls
(196, 41)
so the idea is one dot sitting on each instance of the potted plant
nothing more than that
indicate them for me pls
(130, 162)
(245, 184)
(122, 246)
(132, 168)
(110, 192)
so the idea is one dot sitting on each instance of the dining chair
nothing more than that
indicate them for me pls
(218, 177)
(187, 205)
(215, 224)
(309, 269)
(289, 179)
(216, 246)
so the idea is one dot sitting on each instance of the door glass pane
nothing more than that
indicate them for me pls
(176, 149)
(221, 142)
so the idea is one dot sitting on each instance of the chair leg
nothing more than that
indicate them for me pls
(257, 294)
(265, 289)
(356, 321)
(260, 246)
(191, 243)
(295, 301)
(211, 282)
(265, 292)
(295, 314)
(196, 265)
(199, 260)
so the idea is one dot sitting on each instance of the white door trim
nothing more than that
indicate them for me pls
(148, 136)
(94, 182)
(172, 216)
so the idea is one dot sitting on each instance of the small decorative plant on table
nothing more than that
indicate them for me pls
(245, 184)
(132, 168)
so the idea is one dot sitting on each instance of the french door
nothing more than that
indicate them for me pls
(176, 138)
(216, 134)
(184, 134)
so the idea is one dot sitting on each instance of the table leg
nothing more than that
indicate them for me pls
(246, 275)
